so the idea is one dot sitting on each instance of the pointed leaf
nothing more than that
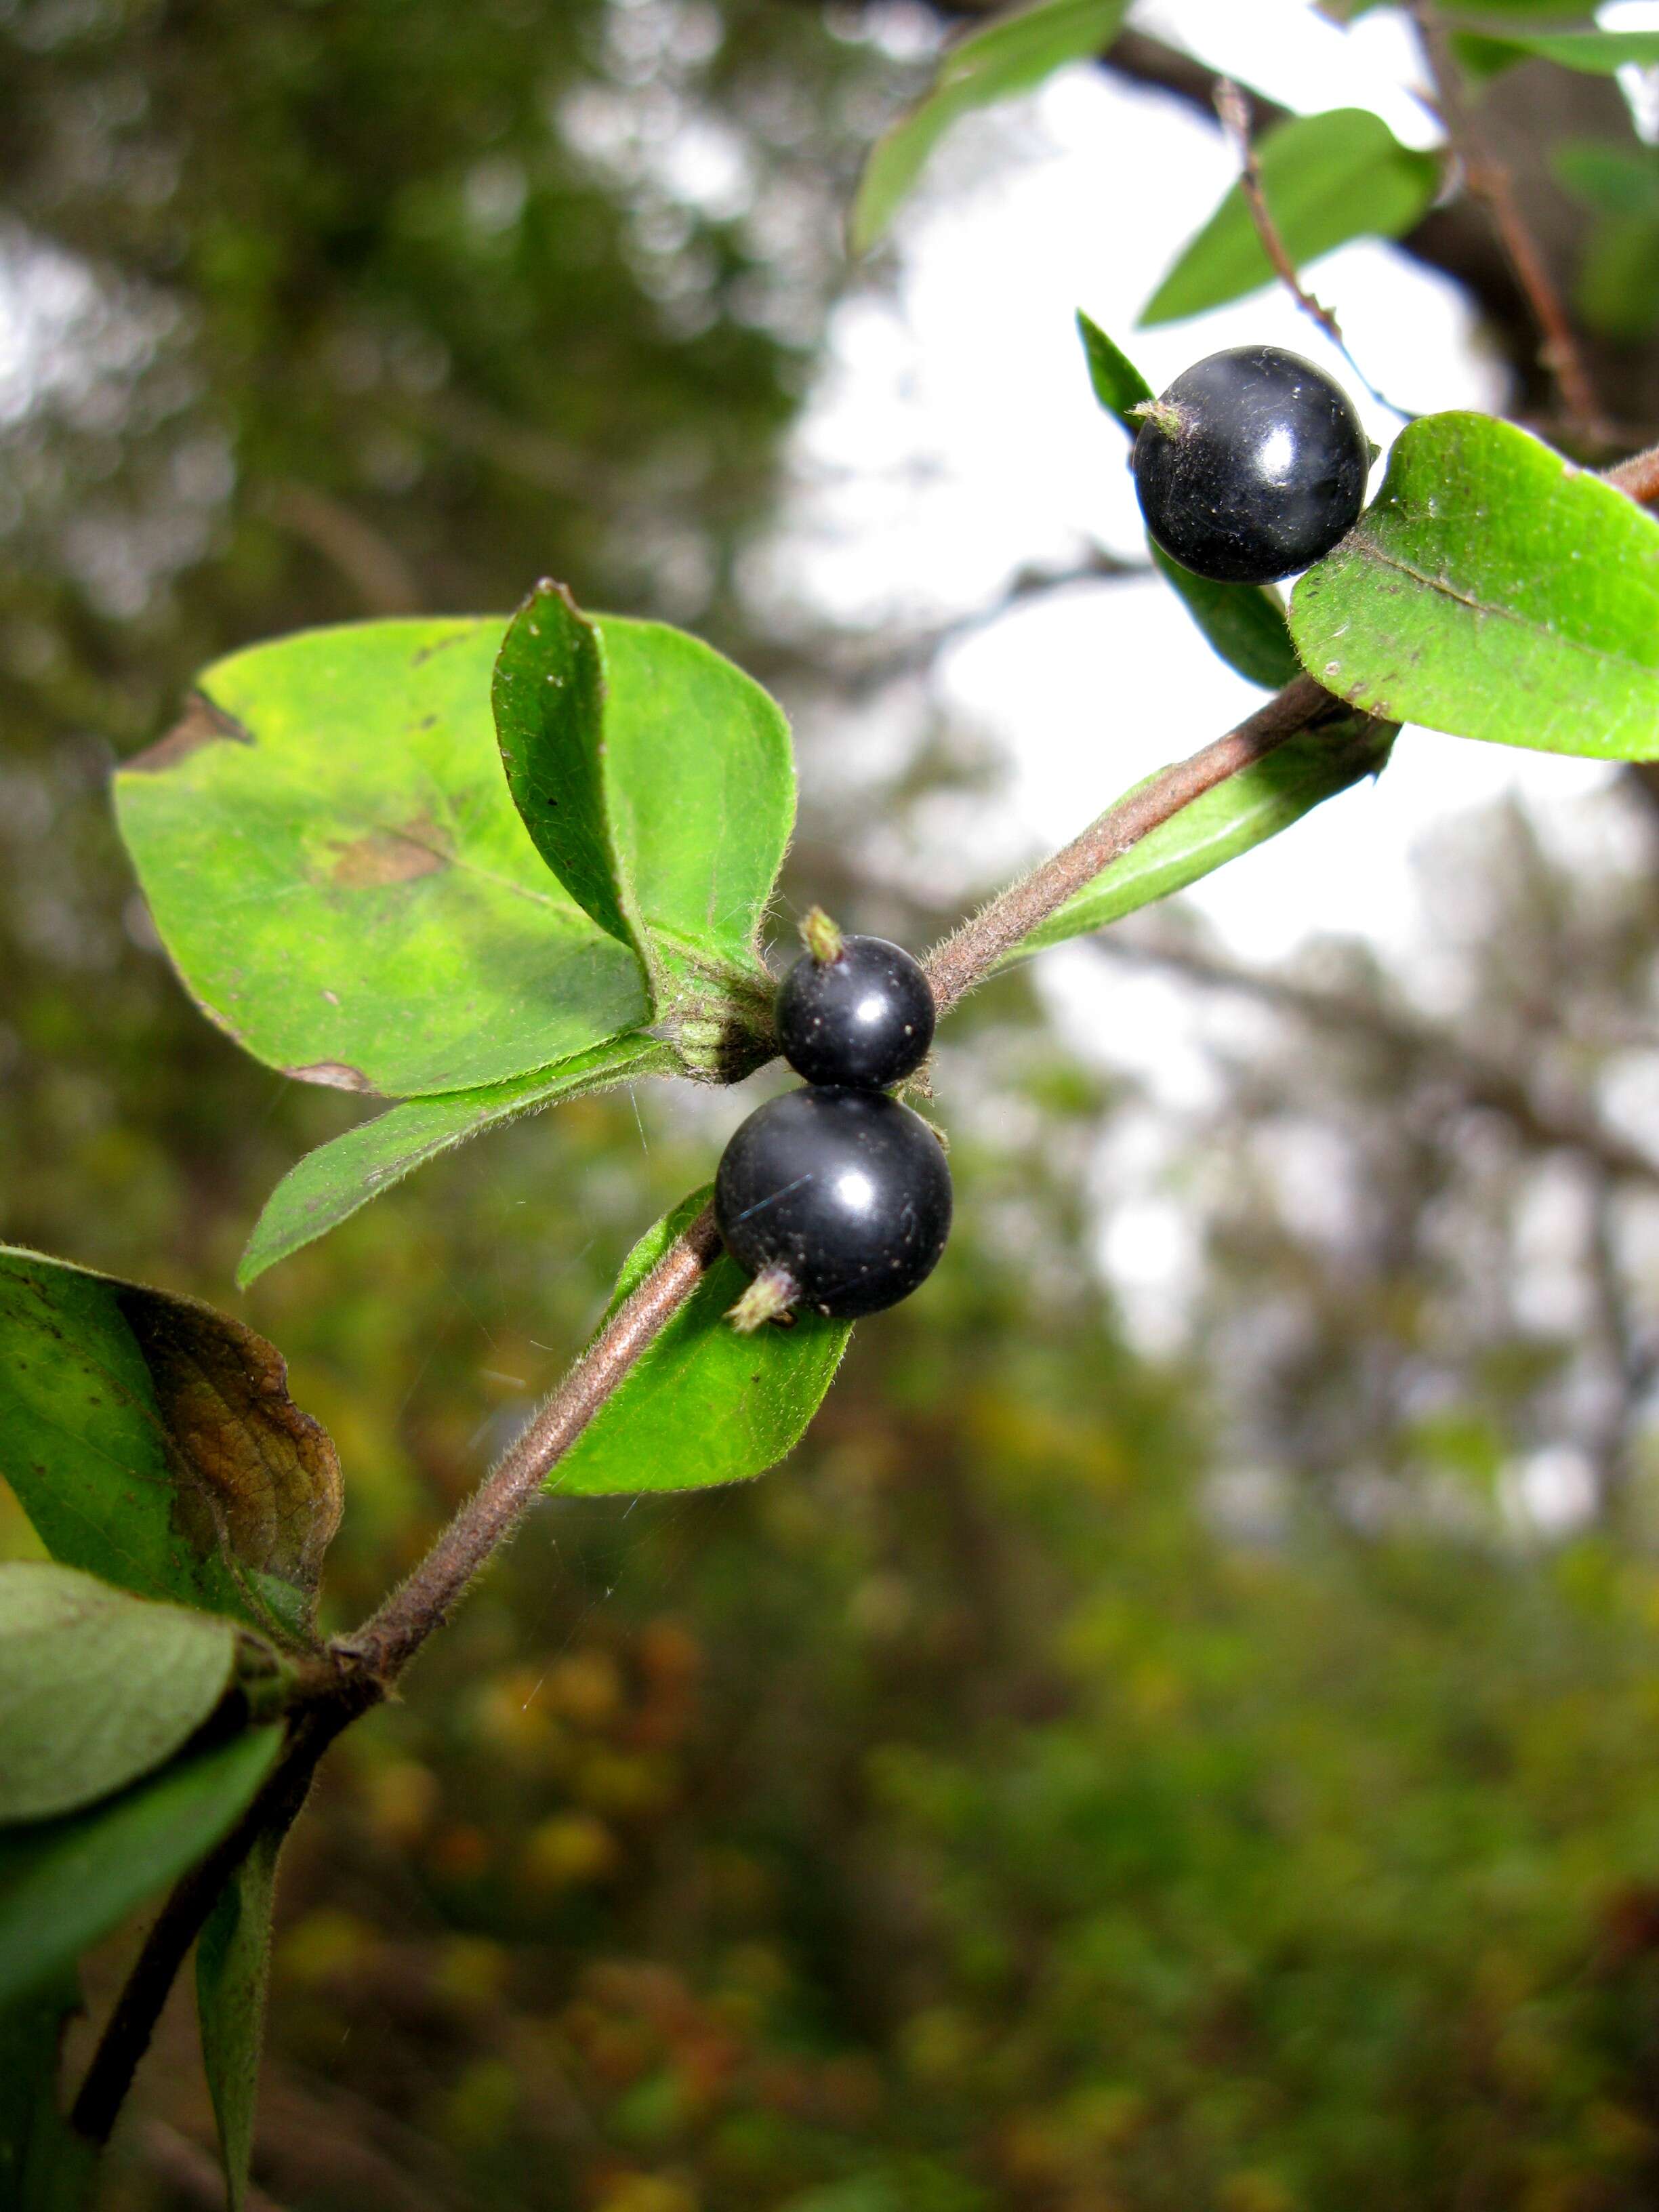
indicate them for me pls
(335, 865)
(1327, 179)
(1247, 809)
(1013, 55)
(1118, 383)
(45, 2166)
(1494, 590)
(659, 784)
(329, 1185)
(1244, 624)
(1595, 53)
(64, 1883)
(96, 1687)
(152, 1441)
(703, 1405)
(233, 1967)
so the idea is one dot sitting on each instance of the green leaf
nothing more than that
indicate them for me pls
(1618, 288)
(1327, 179)
(64, 1883)
(335, 865)
(329, 1185)
(659, 784)
(233, 1967)
(1247, 809)
(45, 2166)
(1243, 622)
(152, 1441)
(1612, 179)
(1494, 590)
(702, 1405)
(1595, 54)
(96, 1687)
(1013, 55)
(1118, 383)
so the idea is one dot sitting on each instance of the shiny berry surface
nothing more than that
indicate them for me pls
(864, 1018)
(1254, 468)
(847, 1191)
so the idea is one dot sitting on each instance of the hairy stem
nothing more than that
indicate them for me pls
(968, 957)
(1639, 476)
(364, 1666)
(386, 1644)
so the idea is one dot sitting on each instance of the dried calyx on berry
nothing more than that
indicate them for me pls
(853, 1010)
(1251, 466)
(834, 1199)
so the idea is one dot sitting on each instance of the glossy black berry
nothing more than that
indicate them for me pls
(846, 1192)
(1251, 466)
(865, 1017)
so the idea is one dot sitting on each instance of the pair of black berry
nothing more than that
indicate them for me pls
(836, 1196)
(1252, 465)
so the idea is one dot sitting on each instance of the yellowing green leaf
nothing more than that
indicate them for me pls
(335, 865)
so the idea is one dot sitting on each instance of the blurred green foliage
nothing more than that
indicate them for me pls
(1015, 1802)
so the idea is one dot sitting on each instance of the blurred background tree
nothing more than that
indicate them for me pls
(1100, 1773)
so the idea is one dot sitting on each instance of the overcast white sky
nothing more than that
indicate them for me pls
(955, 440)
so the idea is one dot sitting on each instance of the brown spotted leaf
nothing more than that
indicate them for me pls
(152, 1441)
(337, 868)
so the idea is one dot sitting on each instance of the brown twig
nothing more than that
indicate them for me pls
(968, 957)
(1490, 183)
(1234, 113)
(367, 1663)
(386, 1644)
(1639, 476)
(1478, 1079)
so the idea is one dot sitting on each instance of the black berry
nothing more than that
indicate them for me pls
(1251, 466)
(865, 1017)
(845, 1192)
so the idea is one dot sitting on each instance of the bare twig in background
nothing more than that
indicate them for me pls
(1479, 1080)
(1490, 182)
(369, 562)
